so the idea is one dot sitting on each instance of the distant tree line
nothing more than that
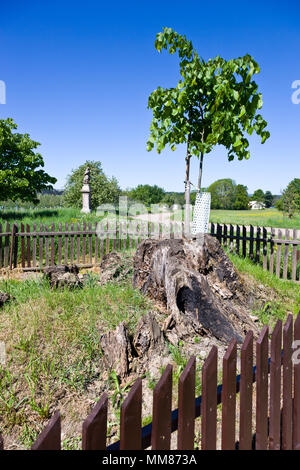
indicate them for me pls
(225, 194)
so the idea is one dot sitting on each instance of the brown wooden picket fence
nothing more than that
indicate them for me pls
(40, 246)
(277, 250)
(267, 415)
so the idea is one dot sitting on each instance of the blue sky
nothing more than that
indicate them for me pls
(78, 76)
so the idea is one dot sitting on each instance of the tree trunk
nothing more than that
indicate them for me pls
(197, 283)
(200, 172)
(187, 220)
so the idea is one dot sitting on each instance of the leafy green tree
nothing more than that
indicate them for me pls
(147, 194)
(258, 196)
(172, 198)
(241, 198)
(290, 200)
(268, 199)
(103, 189)
(222, 193)
(214, 103)
(21, 173)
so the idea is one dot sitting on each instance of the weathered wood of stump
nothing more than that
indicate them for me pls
(198, 284)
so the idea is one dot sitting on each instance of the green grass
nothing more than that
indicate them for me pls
(286, 293)
(265, 217)
(52, 345)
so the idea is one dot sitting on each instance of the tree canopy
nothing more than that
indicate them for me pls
(214, 103)
(21, 173)
(147, 194)
(290, 199)
(226, 194)
(258, 196)
(103, 189)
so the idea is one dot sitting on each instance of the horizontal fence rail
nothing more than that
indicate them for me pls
(40, 245)
(270, 421)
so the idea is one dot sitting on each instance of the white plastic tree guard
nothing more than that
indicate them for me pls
(201, 213)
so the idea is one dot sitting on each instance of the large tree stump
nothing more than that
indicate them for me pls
(197, 283)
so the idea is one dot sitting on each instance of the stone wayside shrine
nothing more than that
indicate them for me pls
(86, 192)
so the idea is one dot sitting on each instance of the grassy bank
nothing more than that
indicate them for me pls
(52, 349)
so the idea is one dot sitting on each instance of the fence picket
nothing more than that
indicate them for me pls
(50, 437)
(251, 256)
(294, 256)
(78, 244)
(186, 407)
(244, 243)
(229, 397)
(66, 244)
(271, 267)
(296, 408)
(52, 245)
(209, 401)
(257, 254)
(225, 235)
(41, 247)
(84, 243)
(59, 243)
(245, 442)
(286, 254)
(28, 246)
(90, 244)
(22, 246)
(131, 417)
(278, 257)
(162, 408)
(94, 428)
(238, 235)
(47, 246)
(72, 244)
(275, 387)
(287, 384)
(265, 251)
(262, 390)
(34, 246)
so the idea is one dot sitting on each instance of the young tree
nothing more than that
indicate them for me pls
(21, 173)
(214, 103)
(103, 189)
